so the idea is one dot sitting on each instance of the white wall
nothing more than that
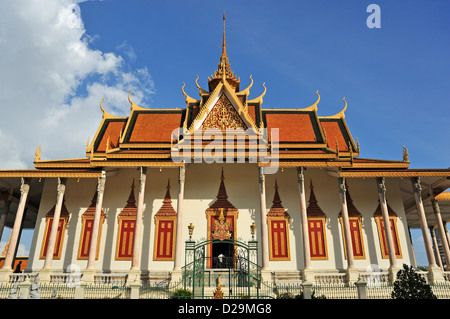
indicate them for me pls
(201, 188)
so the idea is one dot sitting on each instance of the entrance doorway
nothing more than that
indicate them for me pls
(222, 254)
(222, 234)
(240, 279)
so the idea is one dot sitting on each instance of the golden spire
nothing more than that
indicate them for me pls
(223, 69)
(224, 43)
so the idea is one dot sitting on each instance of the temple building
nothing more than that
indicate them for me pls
(221, 178)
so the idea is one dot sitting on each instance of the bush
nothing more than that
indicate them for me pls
(181, 294)
(410, 285)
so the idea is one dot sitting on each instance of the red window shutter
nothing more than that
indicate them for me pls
(394, 237)
(356, 238)
(87, 236)
(126, 241)
(316, 239)
(279, 239)
(165, 239)
(58, 241)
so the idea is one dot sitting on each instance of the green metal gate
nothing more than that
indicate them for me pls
(236, 268)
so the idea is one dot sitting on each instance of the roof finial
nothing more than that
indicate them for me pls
(224, 57)
(224, 44)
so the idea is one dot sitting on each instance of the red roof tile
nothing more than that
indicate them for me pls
(112, 131)
(333, 131)
(293, 127)
(155, 127)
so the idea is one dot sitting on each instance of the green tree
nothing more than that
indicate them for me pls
(411, 285)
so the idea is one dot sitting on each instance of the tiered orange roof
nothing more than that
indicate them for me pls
(147, 137)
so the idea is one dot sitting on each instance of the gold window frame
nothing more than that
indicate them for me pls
(269, 221)
(119, 235)
(325, 245)
(158, 220)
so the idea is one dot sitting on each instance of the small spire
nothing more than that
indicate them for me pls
(276, 198)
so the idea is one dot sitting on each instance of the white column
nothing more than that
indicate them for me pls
(138, 225)
(47, 269)
(179, 230)
(434, 271)
(352, 272)
(307, 274)
(436, 248)
(263, 228)
(346, 223)
(96, 226)
(387, 227)
(13, 241)
(417, 188)
(5, 211)
(412, 248)
(446, 233)
(442, 233)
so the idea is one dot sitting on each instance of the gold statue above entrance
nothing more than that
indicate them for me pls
(222, 227)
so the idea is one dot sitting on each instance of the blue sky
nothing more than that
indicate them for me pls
(58, 63)
(395, 79)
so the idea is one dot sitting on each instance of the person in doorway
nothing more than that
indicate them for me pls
(18, 266)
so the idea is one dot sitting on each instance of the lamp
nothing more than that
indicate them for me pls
(191, 230)
(252, 230)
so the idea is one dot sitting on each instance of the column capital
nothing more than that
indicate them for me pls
(24, 185)
(342, 187)
(435, 204)
(382, 188)
(142, 174)
(101, 184)
(182, 174)
(417, 187)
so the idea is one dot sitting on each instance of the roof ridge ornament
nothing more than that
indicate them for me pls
(133, 106)
(313, 107)
(405, 154)
(105, 114)
(38, 154)
(340, 115)
(129, 100)
(259, 98)
(201, 91)
(247, 90)
(188, 99)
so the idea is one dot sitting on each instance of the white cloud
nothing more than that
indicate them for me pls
(45, 62)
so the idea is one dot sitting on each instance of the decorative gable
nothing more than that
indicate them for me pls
(223, 116)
